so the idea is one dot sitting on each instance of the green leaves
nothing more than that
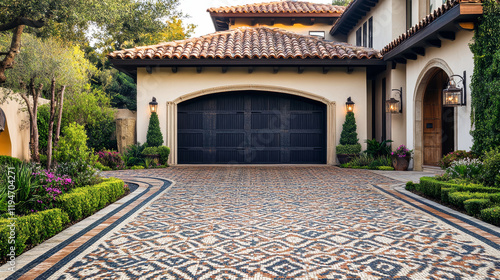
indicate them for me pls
(485, 83)
(154, 138)
(349, 136)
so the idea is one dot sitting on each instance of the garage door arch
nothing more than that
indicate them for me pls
(328, 117)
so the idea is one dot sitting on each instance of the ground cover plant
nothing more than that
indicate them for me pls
(375, 157)
(471, 185)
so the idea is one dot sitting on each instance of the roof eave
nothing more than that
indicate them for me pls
(351, 16)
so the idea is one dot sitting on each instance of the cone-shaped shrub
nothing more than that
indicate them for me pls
(154, 138)
(349, 136)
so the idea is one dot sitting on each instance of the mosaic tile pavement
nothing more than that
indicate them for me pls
(316, 222)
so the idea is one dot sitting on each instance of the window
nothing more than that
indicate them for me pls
(320, 34)
(370, 32)
(408, 14)
(358, 37)
(364, 35)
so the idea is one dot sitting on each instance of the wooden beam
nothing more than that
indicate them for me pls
(325, 70)
(292, 20)
(300, 69)
(394, 64)
(434, 43)
(471, 8)
(250, 69)
(174, 69)
(400, 60)
(253, 21)
(224, 69)
(446, 35)
(276, 69)
(349, 70)
(418, 51)
(198, 69)
(410, 56)
(149, 69)
(273, 20)
(312, 20)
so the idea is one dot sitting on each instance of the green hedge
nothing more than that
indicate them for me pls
(10, 161)
(31, 229)
(82, 202)
(458, 198)
(491, 215)
(432, 187)
(475, 205)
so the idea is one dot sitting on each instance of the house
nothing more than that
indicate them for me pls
(270, 86)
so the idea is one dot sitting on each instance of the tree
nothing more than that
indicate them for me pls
(45, 68)
(154, 138)
(349, 136)
(485, 85)
(341, 2)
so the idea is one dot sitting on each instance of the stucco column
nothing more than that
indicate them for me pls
(172, 132)
(330, 133)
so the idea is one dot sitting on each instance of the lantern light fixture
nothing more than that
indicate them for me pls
(153, 106)
(349, 105)
(454, 95)
(394, 106)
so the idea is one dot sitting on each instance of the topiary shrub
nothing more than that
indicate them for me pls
(154, 137)
(491, 215)
(164, 152)
(349, 144)
(458, 198)
(491, 168)
(475, 205)
(410, 186)
(9, 161)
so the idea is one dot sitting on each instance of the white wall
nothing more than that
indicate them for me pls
(389, 21)
(335, 86)
(458, 57)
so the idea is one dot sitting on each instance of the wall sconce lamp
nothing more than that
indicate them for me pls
(394, 106)
(349, 105)
(453, 95)
(153, 106)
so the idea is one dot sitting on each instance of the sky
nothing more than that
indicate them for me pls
(197, 10)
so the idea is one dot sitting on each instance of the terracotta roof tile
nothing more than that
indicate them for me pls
(249, 43)
(280, 7)
(424, 22)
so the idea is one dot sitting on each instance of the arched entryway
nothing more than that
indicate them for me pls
(434, 125)
(5, 143)
(251, 127)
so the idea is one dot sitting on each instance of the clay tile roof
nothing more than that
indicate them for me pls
(249, 43)
(423, 23)
(280, 7)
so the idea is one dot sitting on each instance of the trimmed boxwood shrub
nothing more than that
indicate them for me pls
(458, 198)
(410, 186)
(475, 205)
(154, 137)
(445, 192)
(10, 161)
(82, 202)
(491, 215)
(432, 187)
(32, 229)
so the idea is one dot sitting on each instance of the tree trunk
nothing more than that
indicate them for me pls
(36, 93)
(24, 94)
(15, 46)
(60, 105)
(51, 121)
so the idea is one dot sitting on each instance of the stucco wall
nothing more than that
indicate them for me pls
(18, 129)
(389, 21)
(453, 57)
(299, 28)
(335, 86)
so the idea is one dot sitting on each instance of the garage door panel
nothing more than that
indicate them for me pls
(230, 121)
(266, 121)
(265, 140)
(251, 127)
(230, 140)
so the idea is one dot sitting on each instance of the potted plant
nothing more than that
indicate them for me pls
(152, 153)
(401, 158)
(349, 146)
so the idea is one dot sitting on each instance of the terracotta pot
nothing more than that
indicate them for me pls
(400, 163)
(345, 158)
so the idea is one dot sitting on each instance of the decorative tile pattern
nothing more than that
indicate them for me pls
(282, 223)
(251, 43)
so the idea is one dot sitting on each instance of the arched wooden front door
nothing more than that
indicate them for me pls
(438, 121)
(252, 127)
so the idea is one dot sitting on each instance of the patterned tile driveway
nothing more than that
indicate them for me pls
(281, 223)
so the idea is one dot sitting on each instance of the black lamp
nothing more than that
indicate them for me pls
(453, 95)
(349, 105)
(153, 106)
(392, 106)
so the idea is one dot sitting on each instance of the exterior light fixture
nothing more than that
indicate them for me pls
(454, 95)
(349, 105)
(394, 106)
(153, 106)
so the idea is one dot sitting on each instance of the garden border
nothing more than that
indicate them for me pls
(18, 273)
(444, 211)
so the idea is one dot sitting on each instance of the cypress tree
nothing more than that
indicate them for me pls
(154, 138)
(349, 136)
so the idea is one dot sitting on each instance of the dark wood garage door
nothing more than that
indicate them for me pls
(251, 127)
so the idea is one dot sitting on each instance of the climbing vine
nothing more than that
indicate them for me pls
(485, 83)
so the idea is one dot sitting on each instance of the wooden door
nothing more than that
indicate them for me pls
(433, 136)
